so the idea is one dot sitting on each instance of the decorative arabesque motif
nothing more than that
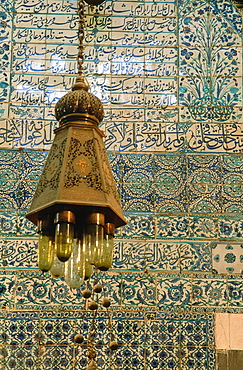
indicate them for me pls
(110, 188)
(52, 170)
(82, 165)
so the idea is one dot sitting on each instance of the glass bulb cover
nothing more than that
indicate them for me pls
(72, 276)
(94, 242)
(88, 270)
(64, 236)
(45, 252)
(105, 257)
(85, 269)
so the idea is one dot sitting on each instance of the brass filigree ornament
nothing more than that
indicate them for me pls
(76, 205)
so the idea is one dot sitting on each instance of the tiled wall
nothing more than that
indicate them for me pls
(170, 77)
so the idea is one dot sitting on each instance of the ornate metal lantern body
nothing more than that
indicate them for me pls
(77, 173)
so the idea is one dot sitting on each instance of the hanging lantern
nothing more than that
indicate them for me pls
(76, 205)
(76, 200)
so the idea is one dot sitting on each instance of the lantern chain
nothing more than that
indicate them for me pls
(81, 27)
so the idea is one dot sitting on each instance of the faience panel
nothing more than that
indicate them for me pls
(169, 76)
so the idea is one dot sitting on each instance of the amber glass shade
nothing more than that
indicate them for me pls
(104, 260)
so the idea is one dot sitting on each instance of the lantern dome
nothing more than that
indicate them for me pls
(79, 100)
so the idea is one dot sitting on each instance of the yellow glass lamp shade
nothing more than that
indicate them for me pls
(72, 276)
(94, 235)
(105, 257)
(64, 234)
(58, 268)
(85, 269)
(45, 247)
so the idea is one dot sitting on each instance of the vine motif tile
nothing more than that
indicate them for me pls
(203, 227)
(209, 292)
(32, 289)
(138, 290)
(139, 226)
(61, 295)
(7, 289)
(18, 254)
(8, 221)
(235, 292)
(174, 292)
(112, 288)
(195, 256)
(231, 228)
(171, 227)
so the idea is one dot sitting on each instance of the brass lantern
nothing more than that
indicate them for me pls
(76, 205)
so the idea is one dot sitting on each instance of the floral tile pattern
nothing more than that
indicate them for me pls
(227, 258)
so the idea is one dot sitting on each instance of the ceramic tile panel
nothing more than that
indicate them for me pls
(235, 293)
(8, 221)
(7, 289)
(129, 255)
(139, 226)
(32, 290)
(138, 290)
(195, 256)
(18, 253)
(169, 76)
(203, 226)
(174, 292)
(174, 330)
(209, 293)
